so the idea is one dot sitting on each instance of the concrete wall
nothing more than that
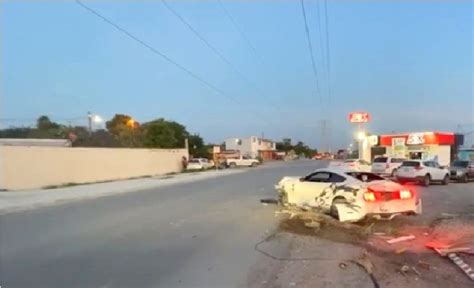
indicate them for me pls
(35, 167)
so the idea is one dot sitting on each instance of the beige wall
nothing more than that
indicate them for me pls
(35, 167)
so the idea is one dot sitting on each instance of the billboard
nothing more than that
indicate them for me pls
(359, 117)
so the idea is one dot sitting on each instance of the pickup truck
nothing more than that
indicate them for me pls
(242, 162)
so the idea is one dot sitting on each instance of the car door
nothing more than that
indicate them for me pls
(438, 172)
(470, 169)
(308, 188)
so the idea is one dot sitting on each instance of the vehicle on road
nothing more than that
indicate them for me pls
(199, 164)
(356, 165)
(462, 170)
(423, 172)
(242, 161)
(349, 195)
(386, 165)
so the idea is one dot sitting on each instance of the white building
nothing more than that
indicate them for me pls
(251, 146)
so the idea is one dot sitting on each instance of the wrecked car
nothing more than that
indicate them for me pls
(349, 195)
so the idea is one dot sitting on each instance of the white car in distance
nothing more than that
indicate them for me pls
(386, 165)
(356, 165)
(349, 195)
(243, 161)
(423, 172)
(200, 164)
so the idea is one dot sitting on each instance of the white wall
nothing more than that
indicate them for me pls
(36, 167)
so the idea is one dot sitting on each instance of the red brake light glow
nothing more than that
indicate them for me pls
(369, 196)
(373, 196)
(405, 194)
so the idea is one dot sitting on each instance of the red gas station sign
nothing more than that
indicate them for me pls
(359, 117)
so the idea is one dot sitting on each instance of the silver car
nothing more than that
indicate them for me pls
(462, 170)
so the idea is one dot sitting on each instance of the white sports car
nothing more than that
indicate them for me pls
(349, 195)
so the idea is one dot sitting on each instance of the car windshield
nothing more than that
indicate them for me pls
(380, 160)
(462, 164)
(411, 164)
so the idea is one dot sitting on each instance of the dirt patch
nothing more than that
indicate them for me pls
(403, 264)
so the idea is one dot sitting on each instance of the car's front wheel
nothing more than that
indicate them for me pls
(446, 179)
(232, 165)
(394, 172)
(426, 180)
(333, 210)
(464, 178)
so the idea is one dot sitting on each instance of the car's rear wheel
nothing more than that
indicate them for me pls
(446, 179)
(253, 164)
(464, 178)
(394, 172)
(232, 165)
(426, 180)
(333, 210)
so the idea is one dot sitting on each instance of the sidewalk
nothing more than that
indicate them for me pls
(13, 201)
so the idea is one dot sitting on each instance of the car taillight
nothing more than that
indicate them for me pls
(387, 165)
(369, 196)
(418, 168)
(405, 194)
(352, 165)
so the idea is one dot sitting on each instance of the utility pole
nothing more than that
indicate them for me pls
(89, 119)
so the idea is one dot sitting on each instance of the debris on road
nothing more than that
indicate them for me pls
(400, 250)
(461, 264)
(342, 265)
(401, 239)
(424, 265)
(269, 201)
(364, 262)
(448, 215)
(405, 269)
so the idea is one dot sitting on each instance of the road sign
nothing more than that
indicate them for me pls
(359, 117)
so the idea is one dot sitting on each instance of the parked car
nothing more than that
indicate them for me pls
(199, 164)
(462, 171)
(243, 161)
(349, 195)
(386, 165)
(357, 165)
(423, 172)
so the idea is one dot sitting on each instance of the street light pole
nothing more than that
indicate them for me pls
(89, 119)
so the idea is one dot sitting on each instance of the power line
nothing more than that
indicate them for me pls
(165, 57)
(328, 54)
(241, 32)
(217, 52)
(315, 70)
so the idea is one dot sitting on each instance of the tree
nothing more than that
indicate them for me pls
(197, 148)
(126, 130)
(44, 123)
(159, 134)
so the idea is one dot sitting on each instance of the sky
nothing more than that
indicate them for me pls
(408, 63)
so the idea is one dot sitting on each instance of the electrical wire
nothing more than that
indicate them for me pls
(218, 53)
(328, 54)
(165, 57)
(241, 32)
(313, 63)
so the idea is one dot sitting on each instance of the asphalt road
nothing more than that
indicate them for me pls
(198, 234)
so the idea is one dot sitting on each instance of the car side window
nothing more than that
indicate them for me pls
(427, 164)
(336, 178)
(319, 177)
